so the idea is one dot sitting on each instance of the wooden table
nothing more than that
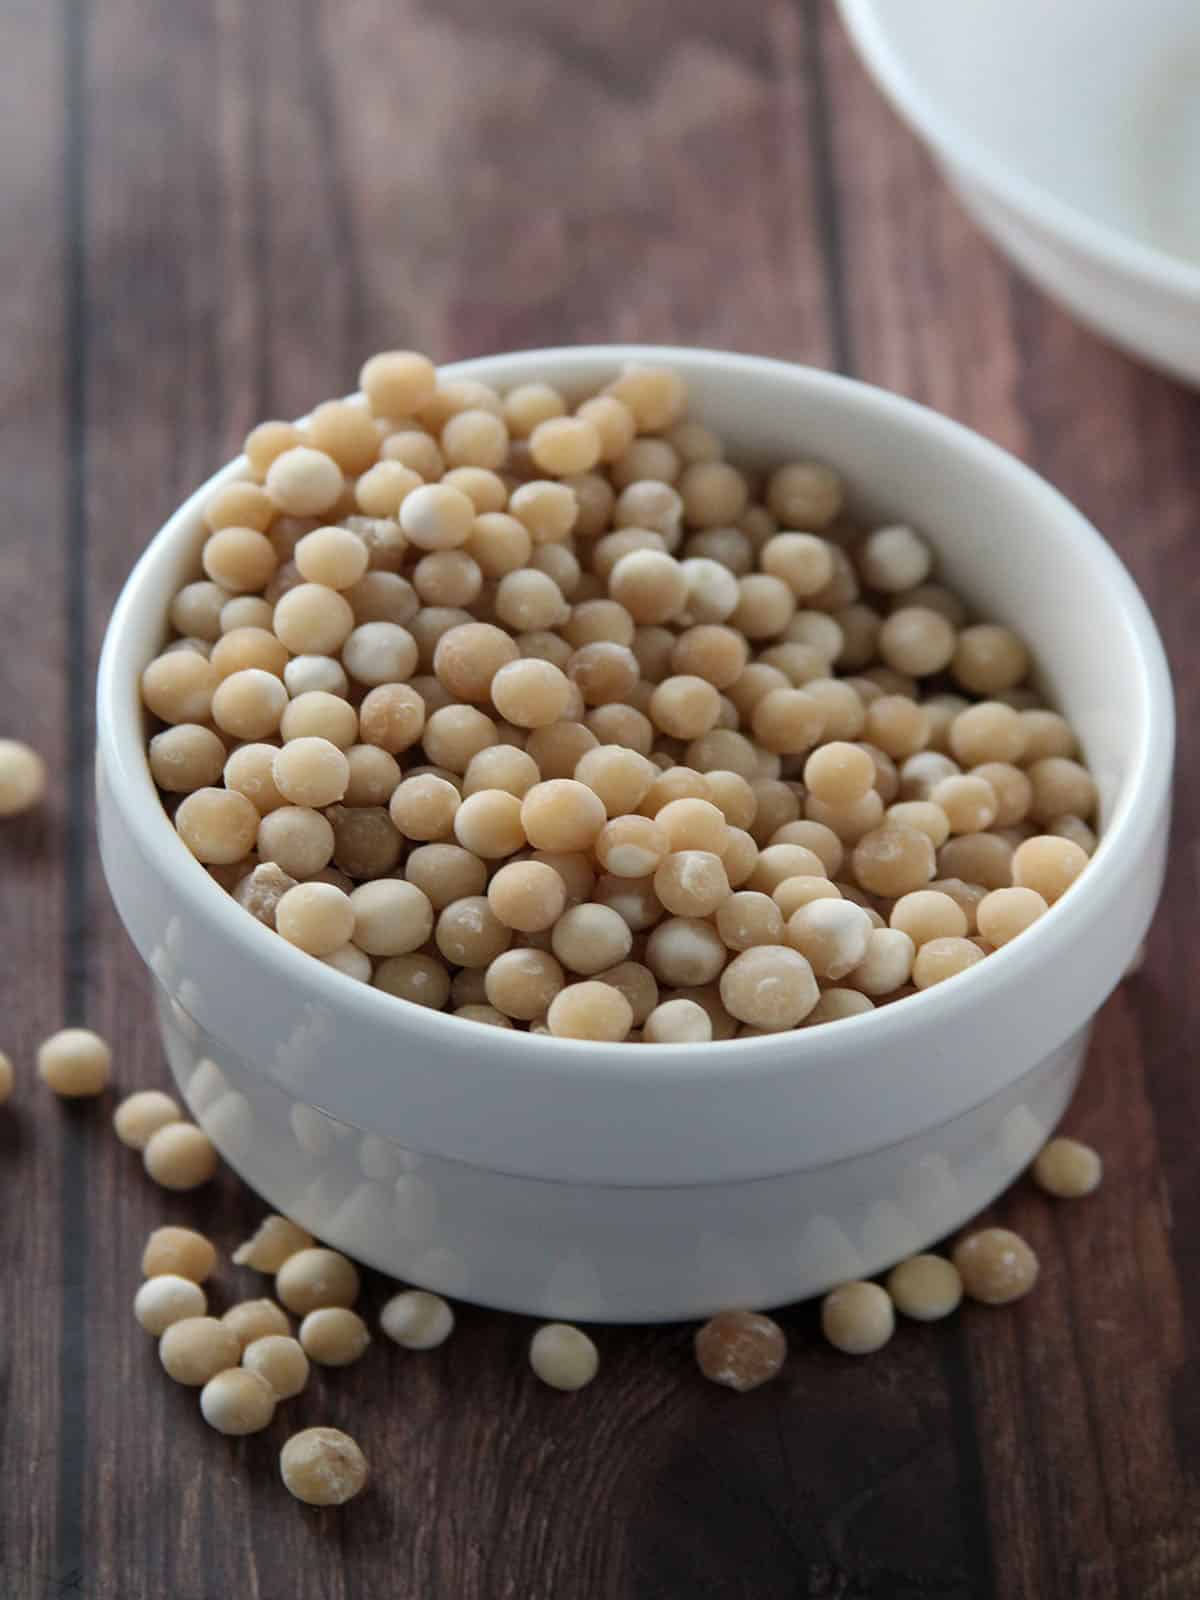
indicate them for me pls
(214, 210)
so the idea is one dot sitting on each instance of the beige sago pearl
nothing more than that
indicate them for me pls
(469, 934)
(181, 1252)
(75, 1063)
(240, 560)
(23, 772)
(316, 1277)
(801, 890)
(304, 482)
(804, 494)
(243, 505)
(195, 1349)
(1012, 790)
(267, 441)
(831, 935)
(979, 858)
(969, 803)
(1004, 913)
(249, 704)
(279, 1360)
(691, 883)
(769, 986)
(488, 824)
(255, 1319)
(527, 896)
(562, 815)
(389, 917)
(177, 687)
(311, 772)
(887, 964)
(917, 641)
(749, 918)
(590, 1010)
(677, 1022)
(180, 1156)
(836, 1004)
(939, 959)
(995, 1265)
(530, 693)
(620, 777)
(563, 1356)
(165, 1300)
(523, 983)
(334, 1336)
(323, 1467)
(185, 758)
(1048, 865)
(857, 1318)
(297, 839)
(397, 383)
(588, 938)
(501, 766)
(631, 847)
(316, 917)
(925, 1287)
(424, 807)
(547, 511)
(1067, 1169)
(237, 1402)
(417, 1320)
(453, 734)
(141, 1114)
(839, 773)
(445, 873)
(313, 620)
(927, 914)
(894, 860)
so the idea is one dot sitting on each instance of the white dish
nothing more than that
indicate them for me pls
(1071, 132)
(599, 1181)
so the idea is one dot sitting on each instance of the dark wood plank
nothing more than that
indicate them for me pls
(240, 203)
(937, 314)
(35, 1151)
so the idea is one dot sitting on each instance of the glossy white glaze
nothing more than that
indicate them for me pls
(587, 1180)
(1072, 134)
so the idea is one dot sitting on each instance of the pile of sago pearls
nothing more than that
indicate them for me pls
(538, 710)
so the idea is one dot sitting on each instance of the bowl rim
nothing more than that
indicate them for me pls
(875, 39)
(121, 750)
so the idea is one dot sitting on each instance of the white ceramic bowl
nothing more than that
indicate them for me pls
(600, 1181)
(1071, 132)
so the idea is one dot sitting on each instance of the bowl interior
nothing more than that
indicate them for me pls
(1093, 102)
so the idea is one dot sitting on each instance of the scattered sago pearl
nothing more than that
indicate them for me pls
(168, 1299)
(417, 1320)
(323, 1467)
(315, 1277)
(74, 1063)
(141, 1114)
(740, 1349)
(563, 1356)
(857, 1318)
(195, 1349)
(1047, 864)
(590, 1010)
(1068, 1169)
(995, 1265)
(22, 777)
(304, 482)
(334, 1336)
(237, 1402)
(274, 1242)
(255, 1319)
(280, 1360)
(925, 1287)
(677, 1022)
(1004, 913)
(180, 1156)
(181, 1252)
(769, 986)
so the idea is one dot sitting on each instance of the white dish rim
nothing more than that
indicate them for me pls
(1155, 268)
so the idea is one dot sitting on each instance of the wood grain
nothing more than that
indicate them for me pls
(217, 210)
